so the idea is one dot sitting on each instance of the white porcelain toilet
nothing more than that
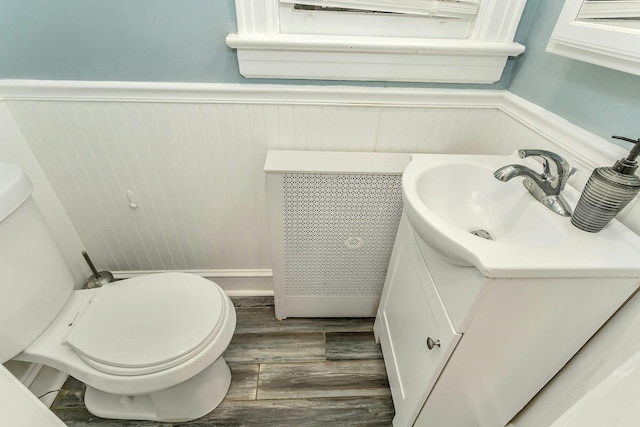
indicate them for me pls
(148, 348)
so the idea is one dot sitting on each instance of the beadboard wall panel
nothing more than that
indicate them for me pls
(193, 156)
(196, 167)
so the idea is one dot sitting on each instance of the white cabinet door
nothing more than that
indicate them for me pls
(410, 314)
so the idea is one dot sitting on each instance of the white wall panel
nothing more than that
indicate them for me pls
(193, 155)
(196, 168)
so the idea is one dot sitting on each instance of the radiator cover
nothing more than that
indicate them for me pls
(332, 237)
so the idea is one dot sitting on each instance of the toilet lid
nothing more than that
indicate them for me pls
(148, 323)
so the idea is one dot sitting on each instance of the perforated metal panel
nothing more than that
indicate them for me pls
(339, 232)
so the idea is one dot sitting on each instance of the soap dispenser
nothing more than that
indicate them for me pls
(608, 191)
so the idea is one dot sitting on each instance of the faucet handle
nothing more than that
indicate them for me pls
(562, 166)
(565, 178)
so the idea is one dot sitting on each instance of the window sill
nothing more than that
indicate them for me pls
(295, 56)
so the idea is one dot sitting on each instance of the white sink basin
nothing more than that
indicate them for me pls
(446, 197)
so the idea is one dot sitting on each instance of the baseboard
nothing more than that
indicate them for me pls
(255, 282)
(161, 92)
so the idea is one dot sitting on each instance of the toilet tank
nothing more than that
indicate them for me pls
(35, 280)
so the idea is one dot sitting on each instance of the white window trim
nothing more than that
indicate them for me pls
(371, 24)
(610, 9)
(453, 8)
(595, 42)
(263, 52)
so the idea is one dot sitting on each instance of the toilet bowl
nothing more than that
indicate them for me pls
(138, 344)
(148, 348)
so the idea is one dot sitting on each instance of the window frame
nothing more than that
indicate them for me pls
(375, 25)
(452, 8)
(609, 9)
(595, 42)
(265, 52)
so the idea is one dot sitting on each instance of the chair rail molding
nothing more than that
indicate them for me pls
(267, 94)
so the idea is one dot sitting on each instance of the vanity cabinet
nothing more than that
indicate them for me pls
(410, 314)
(462, 349)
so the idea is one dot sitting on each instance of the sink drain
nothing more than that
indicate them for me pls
(482, 233)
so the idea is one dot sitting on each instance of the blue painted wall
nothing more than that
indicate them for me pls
(601, 100)
(168, 40)
(140, 40)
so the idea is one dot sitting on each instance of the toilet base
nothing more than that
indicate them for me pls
(186, 401)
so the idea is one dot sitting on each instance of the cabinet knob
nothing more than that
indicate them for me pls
(431, 343)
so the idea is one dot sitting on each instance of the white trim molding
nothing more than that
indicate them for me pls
(610, 9)
(268, 94)
(455, 8)
(249, 282)
(265, 52)
(363, 58)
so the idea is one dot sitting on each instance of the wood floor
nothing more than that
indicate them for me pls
(294, 372)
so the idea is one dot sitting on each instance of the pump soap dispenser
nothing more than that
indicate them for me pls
(608, 191)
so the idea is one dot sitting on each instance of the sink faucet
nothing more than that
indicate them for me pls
(544, 187)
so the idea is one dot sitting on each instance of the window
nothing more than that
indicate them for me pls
(599, 32)
(622, 14)
(409, 18)
(463, 41)
(610, 10)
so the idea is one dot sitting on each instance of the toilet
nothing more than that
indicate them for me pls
(148, 348)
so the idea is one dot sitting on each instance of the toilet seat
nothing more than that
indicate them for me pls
(149, 324)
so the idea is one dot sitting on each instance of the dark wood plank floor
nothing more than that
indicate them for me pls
(294, 372)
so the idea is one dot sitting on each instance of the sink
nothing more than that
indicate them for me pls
(457, 207)
(508, 214)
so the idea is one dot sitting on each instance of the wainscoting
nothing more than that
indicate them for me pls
(192, 156)
(195, 167)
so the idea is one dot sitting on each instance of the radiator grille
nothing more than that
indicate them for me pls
(339, 232)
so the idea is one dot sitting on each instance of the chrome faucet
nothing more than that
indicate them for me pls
(545, 187)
